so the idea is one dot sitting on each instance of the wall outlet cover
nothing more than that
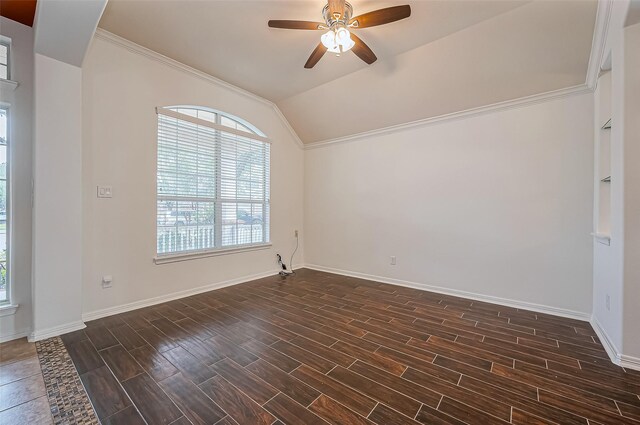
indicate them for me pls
(107, 282)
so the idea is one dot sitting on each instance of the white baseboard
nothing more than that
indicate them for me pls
(608, 345)
(458, 293)
(628, 362)
(110, 311)
(16, 335)
(41, 334)
(616, 357)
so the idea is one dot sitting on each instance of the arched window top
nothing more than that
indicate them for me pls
(212, 183)
(217, 117)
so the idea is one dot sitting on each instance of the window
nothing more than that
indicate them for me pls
(4, 60)
(212, 182)
(4, 275)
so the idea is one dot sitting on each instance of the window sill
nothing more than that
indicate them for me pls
(8, 309)
(8, 84)
(172, 258)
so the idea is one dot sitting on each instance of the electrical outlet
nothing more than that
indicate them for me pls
(608, 302)
(295, 233)
(107, 282)
(393, 260)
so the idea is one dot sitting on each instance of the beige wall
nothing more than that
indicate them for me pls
(120, 92)
(57, 198)
(497, 205)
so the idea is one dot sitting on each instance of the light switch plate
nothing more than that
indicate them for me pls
(105, 192)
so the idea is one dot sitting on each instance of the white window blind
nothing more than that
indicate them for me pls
(212, 182)
(4, 209)
(4, 60)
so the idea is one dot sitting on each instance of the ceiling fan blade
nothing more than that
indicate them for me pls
(362, 50)
(381, 16)
(296, 25)
(336, 7)
(316, 55)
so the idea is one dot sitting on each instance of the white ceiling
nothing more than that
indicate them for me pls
(448, 56)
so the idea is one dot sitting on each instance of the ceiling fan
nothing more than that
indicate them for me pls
(338, 21)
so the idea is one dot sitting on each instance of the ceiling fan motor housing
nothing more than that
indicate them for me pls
(338, 19)
(334, 21)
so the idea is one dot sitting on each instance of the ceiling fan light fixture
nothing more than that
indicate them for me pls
(348, 44)
(328, 39)
(338, 19)
(338, 40)
(342, 35)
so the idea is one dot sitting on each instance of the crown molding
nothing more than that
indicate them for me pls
(598, 43)
(495, 107)
(596, 58)
(172, 63)
(285, 121)
(603, 16)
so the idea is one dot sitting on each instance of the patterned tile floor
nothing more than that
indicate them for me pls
(23, 395)
(67, 397)
(39, 385)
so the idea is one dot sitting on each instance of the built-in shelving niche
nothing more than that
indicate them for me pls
(603, 160)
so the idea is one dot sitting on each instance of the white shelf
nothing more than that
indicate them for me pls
(603, 238)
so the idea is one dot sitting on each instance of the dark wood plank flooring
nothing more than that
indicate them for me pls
(317, 348)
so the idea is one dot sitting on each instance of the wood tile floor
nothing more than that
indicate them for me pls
(317, 348)
(23, 397)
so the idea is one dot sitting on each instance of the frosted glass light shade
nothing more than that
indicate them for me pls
(328, 39)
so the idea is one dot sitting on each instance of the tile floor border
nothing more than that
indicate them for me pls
(68, 399)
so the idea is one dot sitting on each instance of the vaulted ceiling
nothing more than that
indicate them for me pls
(448, 56)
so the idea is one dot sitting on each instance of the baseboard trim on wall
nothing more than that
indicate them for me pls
(93, 315)
(622, 360)
(629, 362)
(608, 345)
(458, 293)
(16, 335)
(55, 331)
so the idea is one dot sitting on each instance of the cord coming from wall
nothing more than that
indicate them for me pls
(283, 266)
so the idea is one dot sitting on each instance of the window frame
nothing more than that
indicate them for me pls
(6, 42)
(218, 249)
(9, 287)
